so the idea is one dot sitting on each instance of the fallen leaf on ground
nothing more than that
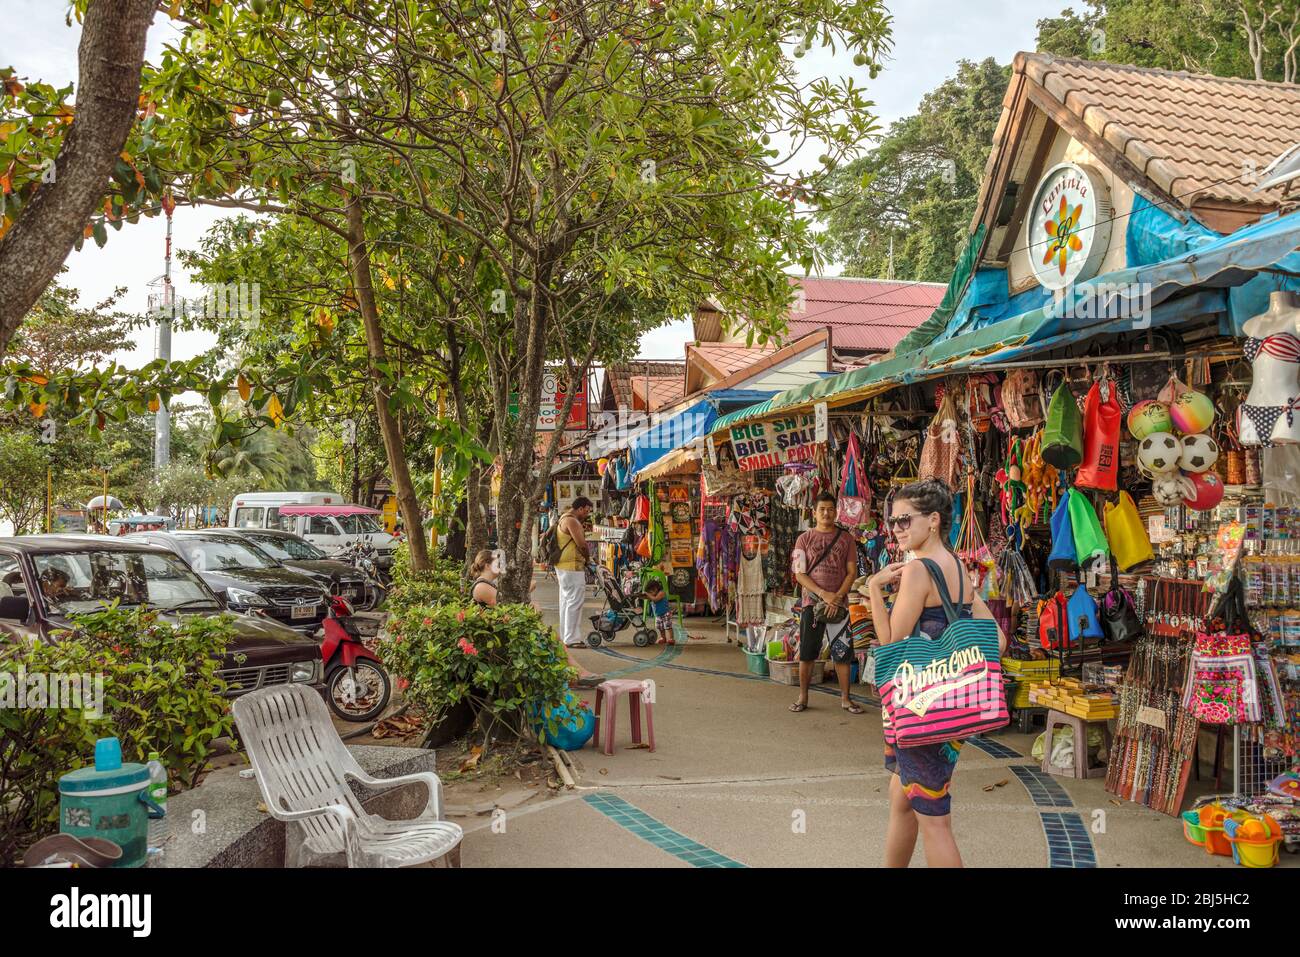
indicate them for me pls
(398, 727)
(604, 770)
(997, 784)
(1116, 803)
(637, 747)
(261, 806)
(471, 762)
(668, 777)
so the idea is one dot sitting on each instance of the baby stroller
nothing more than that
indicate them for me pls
(620, 612)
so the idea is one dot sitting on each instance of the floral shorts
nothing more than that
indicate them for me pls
(925, 774)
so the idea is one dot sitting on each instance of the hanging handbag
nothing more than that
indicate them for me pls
(1063, 431)
(1084, 618)
(1119, 617)
(1053, 622)
(1089, 540)
(853, 505)
(941, 454)
(1102, 418)
(946, 688)
(1020, 399)
(1129, 543)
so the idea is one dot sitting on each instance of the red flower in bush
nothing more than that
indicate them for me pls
(428, 622)
(460, 615)
(467, 647)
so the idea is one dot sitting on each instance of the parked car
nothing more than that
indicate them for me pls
(247, 579)
(322, 518)
(100, 570)
(295, 552)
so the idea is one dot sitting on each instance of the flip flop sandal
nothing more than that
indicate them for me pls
(69, 849)
(798, 707)
(853, 709)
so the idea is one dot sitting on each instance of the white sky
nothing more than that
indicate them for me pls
(930, 36)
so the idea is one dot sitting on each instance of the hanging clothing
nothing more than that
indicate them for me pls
(750, 589)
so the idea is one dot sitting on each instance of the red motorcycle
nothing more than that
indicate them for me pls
(356, 685)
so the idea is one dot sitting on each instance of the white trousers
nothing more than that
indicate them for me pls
(573, 594)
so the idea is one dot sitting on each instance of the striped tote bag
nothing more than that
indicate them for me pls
(941, 689)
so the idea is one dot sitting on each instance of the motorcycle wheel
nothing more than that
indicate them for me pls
(594, 639)
(642, 638)
(367, 700)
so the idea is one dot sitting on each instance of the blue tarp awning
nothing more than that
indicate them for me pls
(1225, 275)
(673, 433)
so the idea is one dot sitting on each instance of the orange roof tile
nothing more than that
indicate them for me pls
(1191, 134)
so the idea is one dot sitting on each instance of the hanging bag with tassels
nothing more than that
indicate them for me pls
(941, 454)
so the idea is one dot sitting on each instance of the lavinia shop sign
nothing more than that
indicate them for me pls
(761, 445)
(1067, 231)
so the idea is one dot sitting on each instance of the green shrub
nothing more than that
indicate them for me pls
(502, 661)
(161, 693)
(444, 583)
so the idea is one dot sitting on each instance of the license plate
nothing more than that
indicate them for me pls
(302, 611)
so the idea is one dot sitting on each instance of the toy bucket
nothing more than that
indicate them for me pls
(1192, 829)
(1254, 840)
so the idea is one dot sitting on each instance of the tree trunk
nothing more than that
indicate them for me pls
(110, 58)
(394, 448)
(478, 489)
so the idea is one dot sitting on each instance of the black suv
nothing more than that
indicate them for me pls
(300, 555)
(246, 578)
(45, 579)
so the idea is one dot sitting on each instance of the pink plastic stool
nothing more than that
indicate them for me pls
(636, 692)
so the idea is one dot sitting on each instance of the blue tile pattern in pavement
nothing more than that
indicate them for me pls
(1044, 790)
(993, 748)
(657, 833)
(1068, 842)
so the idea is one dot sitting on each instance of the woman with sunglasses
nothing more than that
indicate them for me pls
(921, 522)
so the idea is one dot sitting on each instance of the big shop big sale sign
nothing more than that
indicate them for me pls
(761, 445)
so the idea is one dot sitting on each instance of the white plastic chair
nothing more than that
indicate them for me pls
(302, 768)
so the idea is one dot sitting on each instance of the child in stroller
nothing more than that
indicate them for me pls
(620, 612)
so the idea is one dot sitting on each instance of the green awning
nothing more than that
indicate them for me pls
(928, 331)
(938, 359)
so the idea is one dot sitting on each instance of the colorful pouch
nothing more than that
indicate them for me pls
(1089, 540)
(1063, 431)
(1102, 418)
(1126, 534)
(1063, 557)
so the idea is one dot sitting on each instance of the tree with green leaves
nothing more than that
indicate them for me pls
(903, 211)
(1257, 39)
(590, 169)
(62, 163)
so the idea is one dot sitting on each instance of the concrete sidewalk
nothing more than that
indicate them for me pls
(738, 780)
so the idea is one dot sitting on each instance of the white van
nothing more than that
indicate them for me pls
(323, 518)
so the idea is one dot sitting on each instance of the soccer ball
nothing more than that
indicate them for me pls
(1168, 489)
(1159, 452)
(1199, 454)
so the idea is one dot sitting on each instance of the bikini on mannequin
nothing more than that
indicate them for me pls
(1271, 413)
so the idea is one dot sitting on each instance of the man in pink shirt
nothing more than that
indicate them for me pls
(825, 563)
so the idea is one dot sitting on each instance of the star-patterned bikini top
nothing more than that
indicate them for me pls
(1280, 345)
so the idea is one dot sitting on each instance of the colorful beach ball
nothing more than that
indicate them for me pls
(1148, 417)
(575, 723)
(1192, 412)
(1202, 491)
